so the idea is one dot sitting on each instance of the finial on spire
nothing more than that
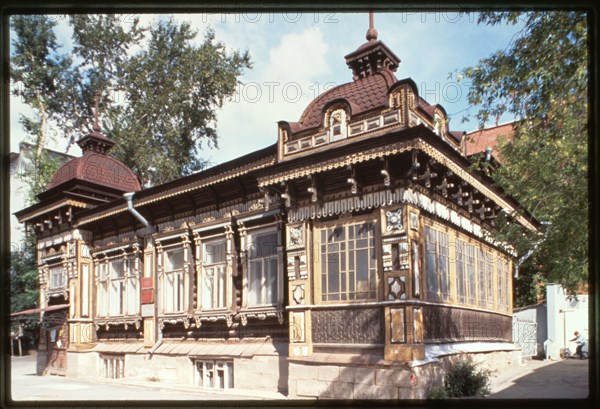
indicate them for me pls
(96, 126)
(371, 32)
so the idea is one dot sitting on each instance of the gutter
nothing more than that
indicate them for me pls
(129, 199)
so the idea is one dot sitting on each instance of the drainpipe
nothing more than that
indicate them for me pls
(158, 343)
(129, 199)
(533, 249)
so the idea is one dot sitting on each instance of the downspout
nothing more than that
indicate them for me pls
(533, 249)
(129, 199)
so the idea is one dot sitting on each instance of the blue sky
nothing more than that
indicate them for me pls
(296, 56)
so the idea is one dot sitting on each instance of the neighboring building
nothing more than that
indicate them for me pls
(346, 260)
(20, 164)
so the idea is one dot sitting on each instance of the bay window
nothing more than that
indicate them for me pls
(437, 268)
(348, 262)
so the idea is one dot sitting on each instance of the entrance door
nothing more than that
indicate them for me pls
(57, 333)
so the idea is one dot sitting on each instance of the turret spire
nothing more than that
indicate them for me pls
(96, 141)
(371, 32)
(96, 126)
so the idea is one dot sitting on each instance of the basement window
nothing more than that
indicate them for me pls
(214, 374)
(113, 366)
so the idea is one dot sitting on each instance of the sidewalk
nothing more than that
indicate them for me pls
(507, 377)
(536, 379)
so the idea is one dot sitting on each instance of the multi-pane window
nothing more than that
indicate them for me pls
(118, 288)
(113, 366)
(57, 277)
(263, 269)
(348, 262)
(213, 274)
(461, 281)
(173, 284)
(214, 374)
(471, 279)
(489, 278)
(437, 268)
(481, 295)
(503, 283)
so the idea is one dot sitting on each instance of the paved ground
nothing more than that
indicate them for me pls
(26, 385)
(565, 379)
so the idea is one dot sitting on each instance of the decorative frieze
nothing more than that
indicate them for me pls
(348, 326)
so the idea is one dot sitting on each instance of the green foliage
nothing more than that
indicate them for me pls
(160, 87)
(173, 88)
(38, 73)
(465, 379)
(24, 283)
(437, 392)
(37, 172)
(541, 79)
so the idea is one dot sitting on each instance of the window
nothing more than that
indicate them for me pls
(113, 366)
(481, 294)
(213, 274)
(503, 283)
(461, 288)
(489, 274)
(57, 278)
(348, 262)
(263, 269)
(103, 289)
(437, 265)
(118, 287)
(214, 374)
(470, 261)
(337, 125)
(173, 289)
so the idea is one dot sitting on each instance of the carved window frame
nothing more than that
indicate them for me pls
(130, 281)
(202, 272)
(165, 245)
(247, 243)
(321, 227)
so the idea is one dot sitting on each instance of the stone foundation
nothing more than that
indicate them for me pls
(347, 381)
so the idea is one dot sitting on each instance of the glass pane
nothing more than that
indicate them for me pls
(254, 282)
(174, 260)
(117, 269)
(271, 281)
(214, 252)
(333, 275)
(264, 245)
(207, 288)
(362, 264)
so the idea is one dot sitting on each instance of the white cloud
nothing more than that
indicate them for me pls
(281, 92)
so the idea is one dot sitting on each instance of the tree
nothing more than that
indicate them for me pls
(173, 88)
(159, 95)
(38, 72)
(24, 284)
(541, 78)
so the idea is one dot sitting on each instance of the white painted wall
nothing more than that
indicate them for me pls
(565, 316)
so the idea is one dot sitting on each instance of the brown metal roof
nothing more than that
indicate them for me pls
(362, 95)
(99, 169)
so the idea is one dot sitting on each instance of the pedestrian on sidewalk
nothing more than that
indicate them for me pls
(580, 341)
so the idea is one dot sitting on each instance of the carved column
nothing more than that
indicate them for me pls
(299, 247)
